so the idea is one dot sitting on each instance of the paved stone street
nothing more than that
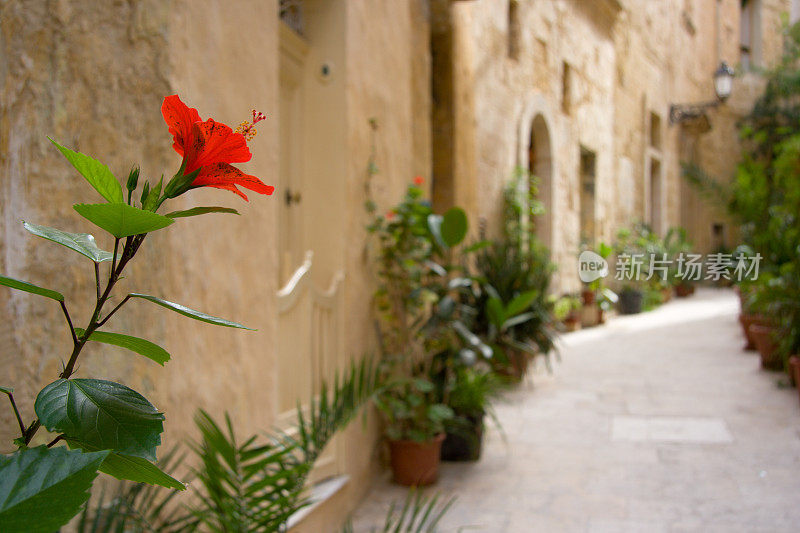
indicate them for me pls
(658, 422)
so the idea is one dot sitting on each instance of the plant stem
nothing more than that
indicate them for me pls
(16, 412)
(132, 245)
(114, 258)
(54, 441)
(69, 322)
(97, 278)
(100, 324)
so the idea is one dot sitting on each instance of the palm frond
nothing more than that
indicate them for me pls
(419, 513)
(258, 487)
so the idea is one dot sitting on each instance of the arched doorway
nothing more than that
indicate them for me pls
(541, 177)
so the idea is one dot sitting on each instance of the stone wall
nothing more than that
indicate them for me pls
(601, 77)
(93, 76)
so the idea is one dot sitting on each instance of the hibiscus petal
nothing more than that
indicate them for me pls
(180, 118)
(225, 176)
(215, 142)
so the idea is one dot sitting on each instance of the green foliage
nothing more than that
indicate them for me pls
(411, 408)
(122, 220)
(109, 426)
(41, 489)
(31, 288)
(102, 415)
(191, 313)
(256, 485)
(136, 507)
(96, 173)
(764, 196)
(83, 243)
(134, 344)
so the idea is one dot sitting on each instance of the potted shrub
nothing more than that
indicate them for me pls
(512, 311)
(565, 310)
(414, 427)
(469, 396)
(677, 244)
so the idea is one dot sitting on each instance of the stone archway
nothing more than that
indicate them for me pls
(535, 154)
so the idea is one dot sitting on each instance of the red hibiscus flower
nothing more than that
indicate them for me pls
(418, 180)
(211, 147)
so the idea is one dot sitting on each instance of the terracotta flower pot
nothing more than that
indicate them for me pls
(763, 336)
(683, 290)
(746, 319)
(416, 463)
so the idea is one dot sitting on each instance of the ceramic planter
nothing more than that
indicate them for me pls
(683, 290)
(416, 463)
(630, 301)
(763, 337)
(746, 319)
(588, 297)
(465, 445)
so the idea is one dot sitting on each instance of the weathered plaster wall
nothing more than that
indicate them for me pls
(93, 77)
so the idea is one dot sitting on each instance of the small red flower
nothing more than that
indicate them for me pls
(390, 215)
(418, 180)
(211, 147)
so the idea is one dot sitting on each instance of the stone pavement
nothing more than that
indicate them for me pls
(658, 422)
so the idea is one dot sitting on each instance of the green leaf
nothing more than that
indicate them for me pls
(96, 173)
(191, 313)
(521, 303)
(516, 320)
(42, 488)
(132, 468)
(103, 414)
(31, 288)
(495, 311)
(134, 344)
(83, 243)
(6, 390)
(440, 412)
(435, 227)
(137, 469)
(454, 226)
(201, 211)
(122, 220)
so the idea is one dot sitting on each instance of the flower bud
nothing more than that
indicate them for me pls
(133, 179)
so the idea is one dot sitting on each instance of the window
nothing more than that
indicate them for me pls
(750, 34)
(291, 13)
(655, 131)
(587, 195)
(513, 29)
(566, 88)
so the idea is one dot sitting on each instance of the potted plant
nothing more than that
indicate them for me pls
(414, 427)
(677, 245)
(512, 311)
(469, 395)
(565, 310)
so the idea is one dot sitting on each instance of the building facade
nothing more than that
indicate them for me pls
(462, 92)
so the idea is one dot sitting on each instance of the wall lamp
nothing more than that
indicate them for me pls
(723, 83)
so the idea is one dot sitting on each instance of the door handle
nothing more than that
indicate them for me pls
(291, 198)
